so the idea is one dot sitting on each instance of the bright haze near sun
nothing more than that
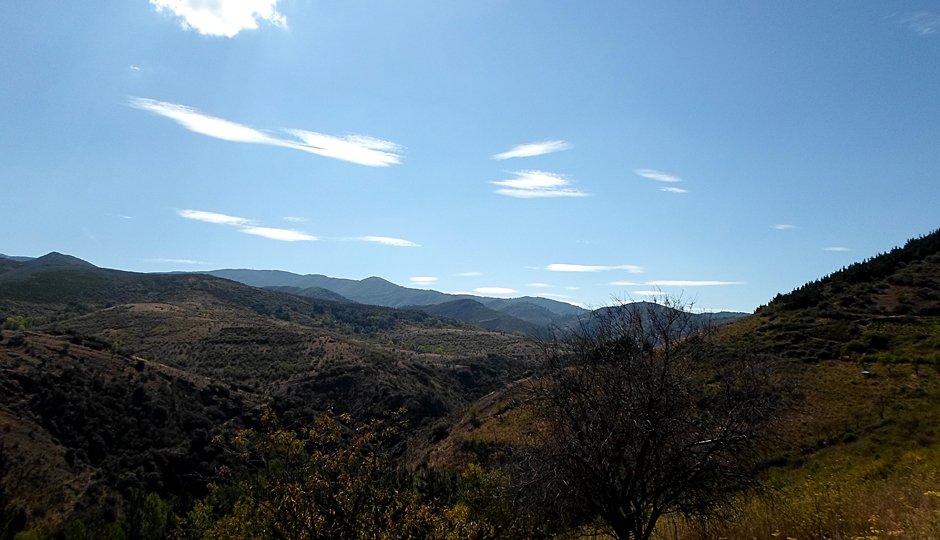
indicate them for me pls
(580, 152)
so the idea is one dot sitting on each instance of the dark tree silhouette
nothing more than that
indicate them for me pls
(640, 414)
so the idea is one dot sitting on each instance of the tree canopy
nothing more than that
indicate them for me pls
(640, 414)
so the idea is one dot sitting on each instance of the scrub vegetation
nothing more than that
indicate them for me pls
(182, 406)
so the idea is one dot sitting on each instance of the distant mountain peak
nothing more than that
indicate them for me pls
(55, 258)
(15, 258)
(376, 279)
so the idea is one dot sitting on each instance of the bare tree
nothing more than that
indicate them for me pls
(640, 414)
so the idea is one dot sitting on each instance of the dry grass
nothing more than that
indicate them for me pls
(846, 501)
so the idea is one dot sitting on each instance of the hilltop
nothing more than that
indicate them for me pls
(884, 308)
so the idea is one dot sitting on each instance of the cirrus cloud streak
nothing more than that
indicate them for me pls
(494, 290)
(246, 226)
(692, 283)
(923, 23)
(214, 217)
(648, 293)
(565, 267)
(533, 149)
(537, 184)
(359, 149)
(659, 176)
(387, 240)
(284, 235)
(670, 189)
(250, 226)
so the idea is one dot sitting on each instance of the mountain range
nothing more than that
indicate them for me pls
(380, 292)
(528, 315)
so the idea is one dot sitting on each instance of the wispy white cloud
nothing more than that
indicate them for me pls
(469, 274)
(623, 283)
(552, 295)
(648, 293)
(533, 149)
(691, 283)
(214, 217)
(783, 227)
(494, 290)
(359, 149)
(659, 176)
(536, 184)
(836, 248)
(564, 267)
(387, 240)
(671, 189)
(424, 280)
(539, 285)
(134, 67)
(247, 226)
(222, 17)
(572, 288)
(295, 219)
(534, 180)
(697, 309)
(284, 235)
(176, 261)
(539, 193)
(923, 23)
(204, 124)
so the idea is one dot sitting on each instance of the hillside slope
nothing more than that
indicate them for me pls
(856, 450)
(885, 308)
(859, 450)
(95, 351)
(85, 427)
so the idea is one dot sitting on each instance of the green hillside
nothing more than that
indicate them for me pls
(859, 448)
(885, 308)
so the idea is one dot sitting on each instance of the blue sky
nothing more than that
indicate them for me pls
(580, 151)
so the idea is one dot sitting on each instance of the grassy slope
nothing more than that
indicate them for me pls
(857, 453)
